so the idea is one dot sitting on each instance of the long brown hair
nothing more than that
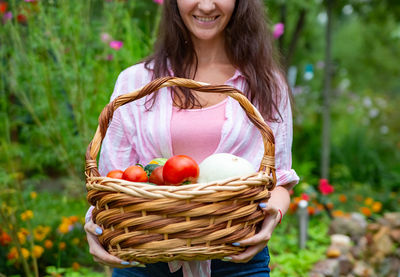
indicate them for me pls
(248, 43)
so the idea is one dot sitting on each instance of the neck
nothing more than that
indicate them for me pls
(210, 52)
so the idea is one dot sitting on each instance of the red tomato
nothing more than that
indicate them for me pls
(156, 176)
(179, 169)
(116, 174)
(135, 173)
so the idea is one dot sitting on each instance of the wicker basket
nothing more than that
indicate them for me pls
(148, 223)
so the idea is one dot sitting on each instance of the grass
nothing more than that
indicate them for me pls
(287, 259)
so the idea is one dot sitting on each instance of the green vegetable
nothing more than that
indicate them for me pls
(150, 167)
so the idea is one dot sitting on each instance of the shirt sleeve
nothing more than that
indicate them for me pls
(117, 150)
(283, 143)
(88, 215)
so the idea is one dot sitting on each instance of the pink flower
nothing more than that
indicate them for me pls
(109, 57)
(324, 187)
(279, 29)
(7, 16)
(116, 44)
(159, 2)
(105, 37)
(304, 196)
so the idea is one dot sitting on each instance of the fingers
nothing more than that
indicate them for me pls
(100, 255)
(260, 238)
(247, 255)
(268, 226)
(269, 209)
(92, 228)
(259, 241)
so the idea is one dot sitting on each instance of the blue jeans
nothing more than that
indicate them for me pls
(256, 267)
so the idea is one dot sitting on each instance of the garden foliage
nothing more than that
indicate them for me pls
(58, 64)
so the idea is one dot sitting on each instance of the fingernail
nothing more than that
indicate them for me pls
(125, 263)
(134, 263)
(227, 259)
(99, 231)
(236, 244)
(262, 205)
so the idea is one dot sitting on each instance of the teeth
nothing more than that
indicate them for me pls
(205, 19)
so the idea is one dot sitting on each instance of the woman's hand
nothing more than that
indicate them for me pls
(99, 254)
(259, 241)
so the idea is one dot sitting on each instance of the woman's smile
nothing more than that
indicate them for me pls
(206, 20)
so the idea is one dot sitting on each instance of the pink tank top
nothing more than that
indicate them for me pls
(197, 132)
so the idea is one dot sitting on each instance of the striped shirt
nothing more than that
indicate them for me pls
(138, 136)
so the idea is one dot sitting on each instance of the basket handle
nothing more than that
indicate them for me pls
(268, 161)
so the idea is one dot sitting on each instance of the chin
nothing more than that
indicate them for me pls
(206, 36)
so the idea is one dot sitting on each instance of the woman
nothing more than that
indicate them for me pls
(217, 42)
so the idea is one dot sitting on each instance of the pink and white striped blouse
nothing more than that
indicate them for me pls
(136, 135)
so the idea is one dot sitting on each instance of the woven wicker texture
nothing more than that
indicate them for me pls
(148, 223)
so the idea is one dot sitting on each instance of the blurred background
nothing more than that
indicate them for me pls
(59, 60)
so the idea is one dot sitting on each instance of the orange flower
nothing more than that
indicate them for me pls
(343, 198)
(37, 251)
(368, 201)
(329, 205)
(28, 214)
(21, 237)
(297, 200)
(365, 211)
(73, 219)
(13, 254)
(3, 7)
(48, 244)
(5, 239)
(66, 220)
(24, 231)
(311, 210)
(76, 266)
(376, 207)
(62, 245)
(338, 213)
(320, 207)
(25, 253)
(67, 224)
(41, 232)
(292, 207)
(63, 228)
